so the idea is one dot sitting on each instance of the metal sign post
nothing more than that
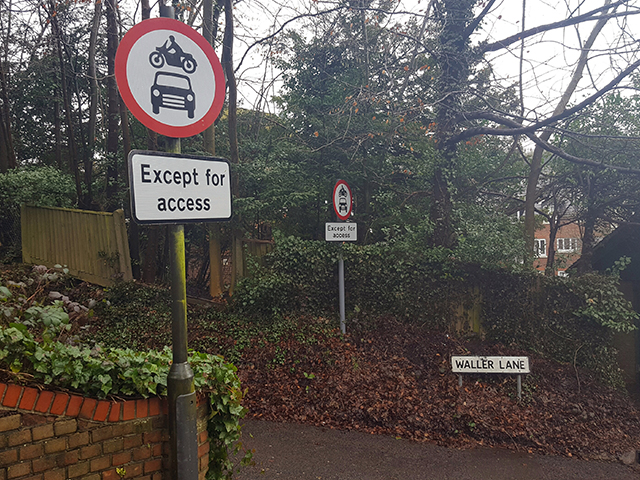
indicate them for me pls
(172, 81)
(341, 232)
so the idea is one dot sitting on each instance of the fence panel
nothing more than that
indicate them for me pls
(93, 245)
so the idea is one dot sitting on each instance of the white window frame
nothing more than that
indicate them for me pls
(562, 273)
(540, 247)
(566, 245)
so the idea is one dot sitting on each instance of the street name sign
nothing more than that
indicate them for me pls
(340, 232)
(175, 188)
(169, 77)
(479, 364)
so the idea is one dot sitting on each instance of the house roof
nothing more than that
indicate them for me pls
(624, 241)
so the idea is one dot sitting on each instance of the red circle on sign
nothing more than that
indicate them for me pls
(122, 57)
(349, 203)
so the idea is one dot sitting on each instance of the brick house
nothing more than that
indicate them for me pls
(568, 245)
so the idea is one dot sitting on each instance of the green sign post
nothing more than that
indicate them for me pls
(172, 81)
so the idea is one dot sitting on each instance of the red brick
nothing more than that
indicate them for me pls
(73, 409)
(8, 457)
(203, 449)
(142, 408)
(165, 406)
(55, 475)
(42, 432)
(10, 422)
(203, 463)
(65, 427)
(55, 445)
(78, 439)
(33, 450)
(102, 410)
(154, 436)
(78, 470)
(91, 451)
(134, 470)
(110, 475)
(3, 387)
(88, 407)
(120, 458)
(19, 470)
(114, 445)
(12, 396)
(114, 414)
(142, 453)
(59, 404)
(131, 441)
(29, 398)
(20, 437)
(154, 407)
(153, 465)
(44, 464)
(100, 463)
(68, 458)
(129, 410)
(157, 450)
(203, 437)
(44, 402)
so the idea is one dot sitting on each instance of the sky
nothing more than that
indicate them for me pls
(546, 72)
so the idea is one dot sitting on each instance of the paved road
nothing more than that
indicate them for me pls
(286, 451)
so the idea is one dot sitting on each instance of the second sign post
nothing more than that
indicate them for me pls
(341, 232)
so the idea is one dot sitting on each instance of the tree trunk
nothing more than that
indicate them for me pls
(454, 58)
(73, 151)
(227, 64)
(536, 161)
(216, 286)
(113, 108)
(94, 100)
(58, 133)
(7, 152)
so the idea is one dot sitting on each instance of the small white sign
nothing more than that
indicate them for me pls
(469, 364)
(168, 188)
(340, 232)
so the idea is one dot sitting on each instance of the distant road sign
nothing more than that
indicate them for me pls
(340, 232)
(174, 188)
(170, 77)
(342, 200)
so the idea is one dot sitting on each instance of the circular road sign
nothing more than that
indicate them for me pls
(169, 77)
(342, 200)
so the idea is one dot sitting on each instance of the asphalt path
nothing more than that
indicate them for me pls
(289, 451)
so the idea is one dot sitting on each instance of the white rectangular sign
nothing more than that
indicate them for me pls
(175, 188)
(469, 364)
(340, 232)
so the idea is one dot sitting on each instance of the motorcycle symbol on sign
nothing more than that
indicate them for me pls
(172, 90)
(173, 54)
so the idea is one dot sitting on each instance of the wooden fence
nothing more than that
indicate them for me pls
(92, 245)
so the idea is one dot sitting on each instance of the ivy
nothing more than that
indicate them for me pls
(30, 347)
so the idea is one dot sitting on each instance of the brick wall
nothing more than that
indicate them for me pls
(46, 435)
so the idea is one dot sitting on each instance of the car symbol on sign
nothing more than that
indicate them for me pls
(172, 90)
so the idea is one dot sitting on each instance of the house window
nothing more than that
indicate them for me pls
(540, 247)
(567, 245)
(562, 273)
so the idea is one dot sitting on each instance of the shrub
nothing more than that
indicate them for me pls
(31, 346)
(567, 319)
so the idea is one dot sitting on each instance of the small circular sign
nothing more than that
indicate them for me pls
(170, 77)
(342, 200)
